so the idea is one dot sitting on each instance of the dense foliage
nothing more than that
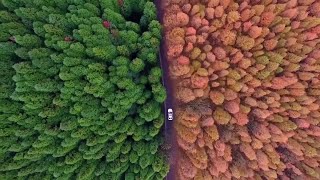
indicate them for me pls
(247, 76)
(80, 92)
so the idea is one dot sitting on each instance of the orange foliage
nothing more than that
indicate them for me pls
(254, 68)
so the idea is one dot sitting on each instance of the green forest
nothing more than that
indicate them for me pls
(81, 90)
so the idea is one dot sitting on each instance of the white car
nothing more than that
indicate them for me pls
(170, 114)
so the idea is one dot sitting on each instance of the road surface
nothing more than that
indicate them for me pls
(169, 103)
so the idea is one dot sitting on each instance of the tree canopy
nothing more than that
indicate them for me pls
(81, 90)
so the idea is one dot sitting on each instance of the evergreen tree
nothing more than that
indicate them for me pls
(80, 90)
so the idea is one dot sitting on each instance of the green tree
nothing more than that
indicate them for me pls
(137, 65)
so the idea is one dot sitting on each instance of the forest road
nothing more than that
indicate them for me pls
(168, 105)
(169, 110)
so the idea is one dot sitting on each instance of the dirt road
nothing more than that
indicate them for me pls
(169, 103)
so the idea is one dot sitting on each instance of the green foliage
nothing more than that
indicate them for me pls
(111, 4)
(133, 157)
(28, 41)
(80, 99)
(115, 18)
(155, 75)
(159, 164)
(149, 14)
(150, 111)
(137, 65)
